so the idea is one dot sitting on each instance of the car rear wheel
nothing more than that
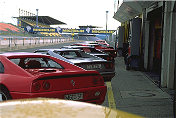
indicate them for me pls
(4, 94)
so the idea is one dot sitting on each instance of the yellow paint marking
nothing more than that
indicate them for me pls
(111, 100)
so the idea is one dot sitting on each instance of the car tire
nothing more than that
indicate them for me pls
(4, 94)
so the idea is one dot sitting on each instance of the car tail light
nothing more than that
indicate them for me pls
(36, 86)
(110, 58)
(40, 86)
(46, 85)
(109, 65)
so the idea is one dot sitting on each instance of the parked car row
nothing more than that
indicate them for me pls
(66, 73)
(109, 50)
(84, 60)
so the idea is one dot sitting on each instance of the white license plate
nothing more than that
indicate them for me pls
(94, 66)
(76, 96)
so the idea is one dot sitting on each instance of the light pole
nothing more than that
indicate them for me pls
(106, 23)
(37, 18)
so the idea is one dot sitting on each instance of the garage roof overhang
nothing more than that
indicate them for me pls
(130, 9)
(42, 19)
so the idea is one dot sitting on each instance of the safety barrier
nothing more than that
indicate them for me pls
(24, 42)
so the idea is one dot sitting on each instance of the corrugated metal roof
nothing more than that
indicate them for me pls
(43, 19)
(131, 8)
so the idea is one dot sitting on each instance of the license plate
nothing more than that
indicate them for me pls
(76, 96)
(94, 66)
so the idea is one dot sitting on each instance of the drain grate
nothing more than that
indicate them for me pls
(158, 93)
(139, 94)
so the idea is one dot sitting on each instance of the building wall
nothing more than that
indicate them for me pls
(155, 39)
(159, 41)
(168, 54)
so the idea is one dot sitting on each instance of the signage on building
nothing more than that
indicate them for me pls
(88, 30)
(38, 29)
(67, 30)
(44, 30)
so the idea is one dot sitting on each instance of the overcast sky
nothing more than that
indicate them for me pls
(73, 12)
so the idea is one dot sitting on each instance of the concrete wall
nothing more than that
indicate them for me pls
(168, 51)
(168, 45)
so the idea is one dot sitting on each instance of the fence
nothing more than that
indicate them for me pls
(16, 42)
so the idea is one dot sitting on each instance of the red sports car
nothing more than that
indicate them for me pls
(30, 75)
(103, 48)
(102, 42)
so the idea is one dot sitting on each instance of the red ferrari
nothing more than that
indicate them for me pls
(103, 42)
(103, 48)
(31, 75)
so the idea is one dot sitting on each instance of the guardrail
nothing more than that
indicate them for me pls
(24, 42)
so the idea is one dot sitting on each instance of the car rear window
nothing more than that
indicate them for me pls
(42, 52)
(36, 63)
(69, 54)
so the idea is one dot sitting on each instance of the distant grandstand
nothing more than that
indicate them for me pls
(43, 21)
(39, 25)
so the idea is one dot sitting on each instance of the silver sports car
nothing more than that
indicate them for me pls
(92, 51)
(83, 60)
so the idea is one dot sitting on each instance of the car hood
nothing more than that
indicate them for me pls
(44, 108)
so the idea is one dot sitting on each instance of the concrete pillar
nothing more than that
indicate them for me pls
(120, 40)
(121, 36)
(151, 48)
(165, 46)
(146, 42)
(135, 36)
(171, 57)
(168, 55)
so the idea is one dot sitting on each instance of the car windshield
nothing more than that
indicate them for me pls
(86, 55)
(42, 52)
(93, 50)
(100, 41)
(74, 54)
(68, 54)
(29, 63)
(103, 45)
